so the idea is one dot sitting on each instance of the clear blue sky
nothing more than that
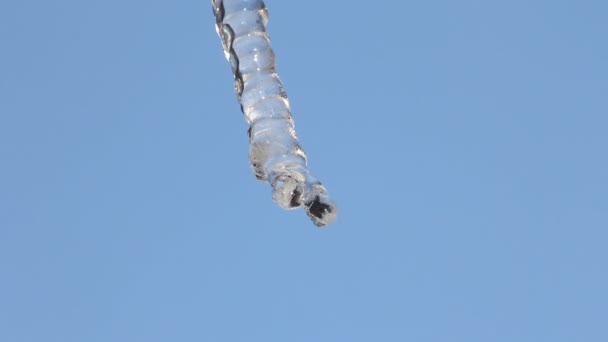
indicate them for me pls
(464, 142)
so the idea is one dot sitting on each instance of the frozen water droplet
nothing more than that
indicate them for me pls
(321, 211)
(287, 193)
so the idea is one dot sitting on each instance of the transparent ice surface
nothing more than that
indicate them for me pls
(274, 152)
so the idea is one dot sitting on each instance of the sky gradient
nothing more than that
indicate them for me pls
(464, 143)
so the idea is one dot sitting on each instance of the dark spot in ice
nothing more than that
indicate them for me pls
(296, 199)
(318, 209)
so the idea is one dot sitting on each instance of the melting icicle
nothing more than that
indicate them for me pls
(274, 152)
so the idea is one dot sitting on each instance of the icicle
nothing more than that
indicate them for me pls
(274, 152)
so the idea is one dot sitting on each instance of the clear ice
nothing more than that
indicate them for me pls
(274, 152)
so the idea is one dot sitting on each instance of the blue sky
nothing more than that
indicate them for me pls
(464, 142)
